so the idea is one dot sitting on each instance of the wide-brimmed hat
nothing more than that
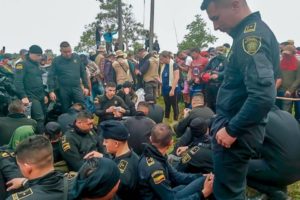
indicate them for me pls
(120, 53)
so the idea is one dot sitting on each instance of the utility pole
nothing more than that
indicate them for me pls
(151, 26)
(120, 28)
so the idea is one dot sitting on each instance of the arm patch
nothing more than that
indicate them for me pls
(158, 176)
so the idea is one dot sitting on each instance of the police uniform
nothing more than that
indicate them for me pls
(47, 187)
(105, 103)
(28, 82)
(157, 179)
(76, 144)
(68, 73)
(245, 97)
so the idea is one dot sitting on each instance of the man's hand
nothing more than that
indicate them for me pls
(288, 94)
(171, 93)
(186, 112)
(15, 183)
(214, 76)
(93, 154)
(224, 139)
(208, 185)
(52, 96)
(86, 92)
(46, 100)
(180, 150)
(25, 101)
(111, 109)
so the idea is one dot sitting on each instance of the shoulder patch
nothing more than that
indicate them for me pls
(251, 44)
(22, 195)
(186, 158)
(250, 28)
(70, 175)
(19, 66)
(194, 150)
(4, 155)
(158, 176)
(65, 145)
(150, 161)
(122, 166)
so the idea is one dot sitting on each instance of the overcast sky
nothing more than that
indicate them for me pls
(48, 22)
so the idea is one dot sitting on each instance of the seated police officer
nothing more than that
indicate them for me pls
(97, 179)
(79, 141)
(115, 136)
(109, 105)
(35, 159)
(159, 180)
(279, 164)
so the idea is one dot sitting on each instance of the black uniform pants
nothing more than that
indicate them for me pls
(231, 165)
(151, 88)
(171, 101)
(70, 95)
(211, 95)
(38, 110)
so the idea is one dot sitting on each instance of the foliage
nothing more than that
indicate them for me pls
(198, 35)
(107, 19)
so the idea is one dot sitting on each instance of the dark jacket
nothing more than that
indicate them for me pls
(67, 72)
(48, 187)
(28, 80)
(139, 128)
(156, 113)
(10, 123)
(127, 98)
(248, 91)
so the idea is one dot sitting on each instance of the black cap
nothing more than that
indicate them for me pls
(127, 84)
(52, 128)
(7, 56)
(205, 4)
(112, 129)
(96, 178)
(35, 49)
(198, 127)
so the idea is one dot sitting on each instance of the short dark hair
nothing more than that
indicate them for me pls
(64, 44)
(35, 150)
(16, 106)
(78, 106)
(161, 135)
(111, 84)
(196, 49)
(165, 54)
(82, 115)
(143, 104)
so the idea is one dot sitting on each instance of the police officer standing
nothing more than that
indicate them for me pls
(246, 95)
(68, 70)
(29, 85)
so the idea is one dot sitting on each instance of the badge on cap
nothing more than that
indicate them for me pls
(158, 176)
(251, 44)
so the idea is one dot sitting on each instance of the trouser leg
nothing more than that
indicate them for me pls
(38, 114)
(174, 103)
(167, 106)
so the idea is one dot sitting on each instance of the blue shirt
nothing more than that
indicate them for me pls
(165, 80)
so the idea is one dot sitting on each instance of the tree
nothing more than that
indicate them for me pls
(107, 20)
(198, 35)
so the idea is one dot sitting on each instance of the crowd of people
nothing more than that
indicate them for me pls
(90, 126)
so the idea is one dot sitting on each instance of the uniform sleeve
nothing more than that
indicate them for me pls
(180, 178)
(70, 153)
(19, 80)
(51, 76)
(123, 105)
(258, 78)
(8, 167)
(83, 76)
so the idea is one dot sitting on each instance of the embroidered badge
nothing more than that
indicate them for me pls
(19, 66)
(158, 176)
(250, 28)
(186, 158)
(122, 166)
(194, 150)
(22, 195)
(251, 44)
(150, 161)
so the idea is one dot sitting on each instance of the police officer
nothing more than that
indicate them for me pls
(158, 180)
(35, 160)
(29, 85)
(246, 95)
(115, 136)
(79, 141)
(68, 70)
(109, 105)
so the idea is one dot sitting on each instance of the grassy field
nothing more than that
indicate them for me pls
(293, 190)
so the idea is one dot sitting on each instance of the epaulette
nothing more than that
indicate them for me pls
(150, 161)
(23, 194)
(250, 28)
(70, 175)
(5, 154)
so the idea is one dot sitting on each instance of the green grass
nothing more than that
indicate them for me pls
(293, 190)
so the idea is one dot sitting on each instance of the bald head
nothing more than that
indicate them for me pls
(161, 135)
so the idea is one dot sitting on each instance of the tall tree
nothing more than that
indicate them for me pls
(107, 19)
(198, 35)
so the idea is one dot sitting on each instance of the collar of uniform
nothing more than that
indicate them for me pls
(125, 155)
(152, 151)
(236, 30)
(17, 115)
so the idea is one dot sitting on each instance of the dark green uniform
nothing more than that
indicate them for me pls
(245, 97)
(29, 83)
(76, 144)
(68, 73)
(105, 103)
(158, 180)
(128, 165)
(48, 187)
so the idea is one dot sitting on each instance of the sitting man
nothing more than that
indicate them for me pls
(279, 163)
(156, 112)
(128, 95)
(35, 159)
(198, 110)
(110, 106)
(79, 141)
(159, 180)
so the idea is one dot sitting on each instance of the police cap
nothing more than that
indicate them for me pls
(35, 49)
(112, 129)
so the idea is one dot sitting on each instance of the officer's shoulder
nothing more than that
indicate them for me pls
(25, 194)
(20, 66)
(6, 154)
